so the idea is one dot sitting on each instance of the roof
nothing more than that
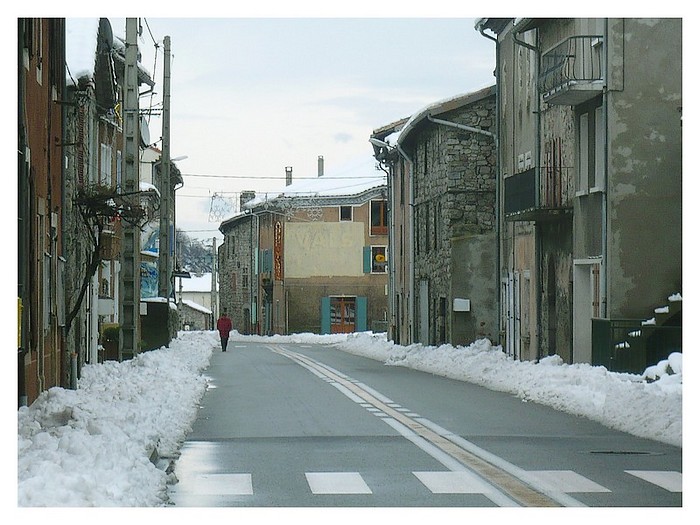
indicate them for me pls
(444, 106)
(196, 306)
(326, 190)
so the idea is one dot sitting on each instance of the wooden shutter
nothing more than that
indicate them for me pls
(361, 314)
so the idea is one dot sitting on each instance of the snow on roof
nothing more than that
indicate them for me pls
(442, 106)
(196, 306)
(329, 185)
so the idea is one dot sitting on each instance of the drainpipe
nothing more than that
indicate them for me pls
(481, 29)
(392, 263)
(606, 128)
(538, 237)
(412, 253)
(461, 126)
(392, 268)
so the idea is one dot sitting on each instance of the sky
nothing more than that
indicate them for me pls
(251, 96)
(89, 447)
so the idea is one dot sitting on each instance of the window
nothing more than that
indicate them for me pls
(374, 259)
(379, 218)
(346, 213)
(105, 165)
(591, 148)
(119, 169)
(245, 278)
(379, 259)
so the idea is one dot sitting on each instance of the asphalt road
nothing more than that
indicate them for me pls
(309, 426)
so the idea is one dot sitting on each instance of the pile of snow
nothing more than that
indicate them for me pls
(93, 446)
(626, 402)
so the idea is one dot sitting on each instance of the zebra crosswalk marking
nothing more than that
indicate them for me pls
(337, 483)
(566, 481)
(669, 480)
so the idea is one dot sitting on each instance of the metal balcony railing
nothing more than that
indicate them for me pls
(537, 194)
(572, 72)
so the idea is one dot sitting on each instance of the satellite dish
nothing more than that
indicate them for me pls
(145, 133)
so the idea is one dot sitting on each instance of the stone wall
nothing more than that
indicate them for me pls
(237, 273)
(455, 201)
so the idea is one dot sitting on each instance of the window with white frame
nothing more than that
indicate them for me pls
(105, 165)
(591, 148)
(346, 213)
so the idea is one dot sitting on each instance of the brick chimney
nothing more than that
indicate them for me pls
(288, 172)
(320, 165)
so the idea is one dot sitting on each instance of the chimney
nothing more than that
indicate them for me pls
(288, 171)
(246, 196)
(320, 165)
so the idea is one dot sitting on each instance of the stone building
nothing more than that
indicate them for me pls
(237, 263)
(442, 167)
(309, 259)
(589, 113)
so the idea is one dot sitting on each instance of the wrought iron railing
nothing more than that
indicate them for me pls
(576, 59)
(628, 345)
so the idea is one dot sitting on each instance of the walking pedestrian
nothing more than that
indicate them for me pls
(224, 326)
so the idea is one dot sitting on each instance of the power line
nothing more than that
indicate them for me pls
(271, 177)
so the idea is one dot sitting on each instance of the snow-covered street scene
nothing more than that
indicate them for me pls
(351, 262)
(92, 446)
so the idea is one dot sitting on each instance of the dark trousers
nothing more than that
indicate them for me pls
(224, 342)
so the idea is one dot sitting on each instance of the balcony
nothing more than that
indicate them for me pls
(572, 72)
(537, 194)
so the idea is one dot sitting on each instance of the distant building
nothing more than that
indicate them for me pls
(312, 258)
(194, 316)
(195, 292)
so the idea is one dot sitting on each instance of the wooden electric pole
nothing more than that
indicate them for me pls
(165, 270)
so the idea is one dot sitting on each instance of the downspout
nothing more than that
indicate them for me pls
(538, 237)
(390, 250)
(606, 128)
(411, 260)
(499, 309)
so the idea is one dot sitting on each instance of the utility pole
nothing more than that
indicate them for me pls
(164, 258)
(130, 274)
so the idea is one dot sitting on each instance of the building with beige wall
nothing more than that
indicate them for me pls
(319, 257)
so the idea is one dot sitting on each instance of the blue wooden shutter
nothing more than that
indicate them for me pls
(361, 314)
(325, 315)
(367, 259)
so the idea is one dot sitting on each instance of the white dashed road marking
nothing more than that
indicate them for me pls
(669, 480)
(337, 483)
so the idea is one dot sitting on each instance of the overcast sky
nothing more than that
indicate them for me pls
(250, 96)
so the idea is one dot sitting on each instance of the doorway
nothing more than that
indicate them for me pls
(342, 315)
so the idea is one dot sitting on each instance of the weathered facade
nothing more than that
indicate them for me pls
(41, 71)
(589, 176)
(237, 263)
(71, 211)
(312, 261)
(443, 221)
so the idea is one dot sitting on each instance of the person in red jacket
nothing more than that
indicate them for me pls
(224, 326)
